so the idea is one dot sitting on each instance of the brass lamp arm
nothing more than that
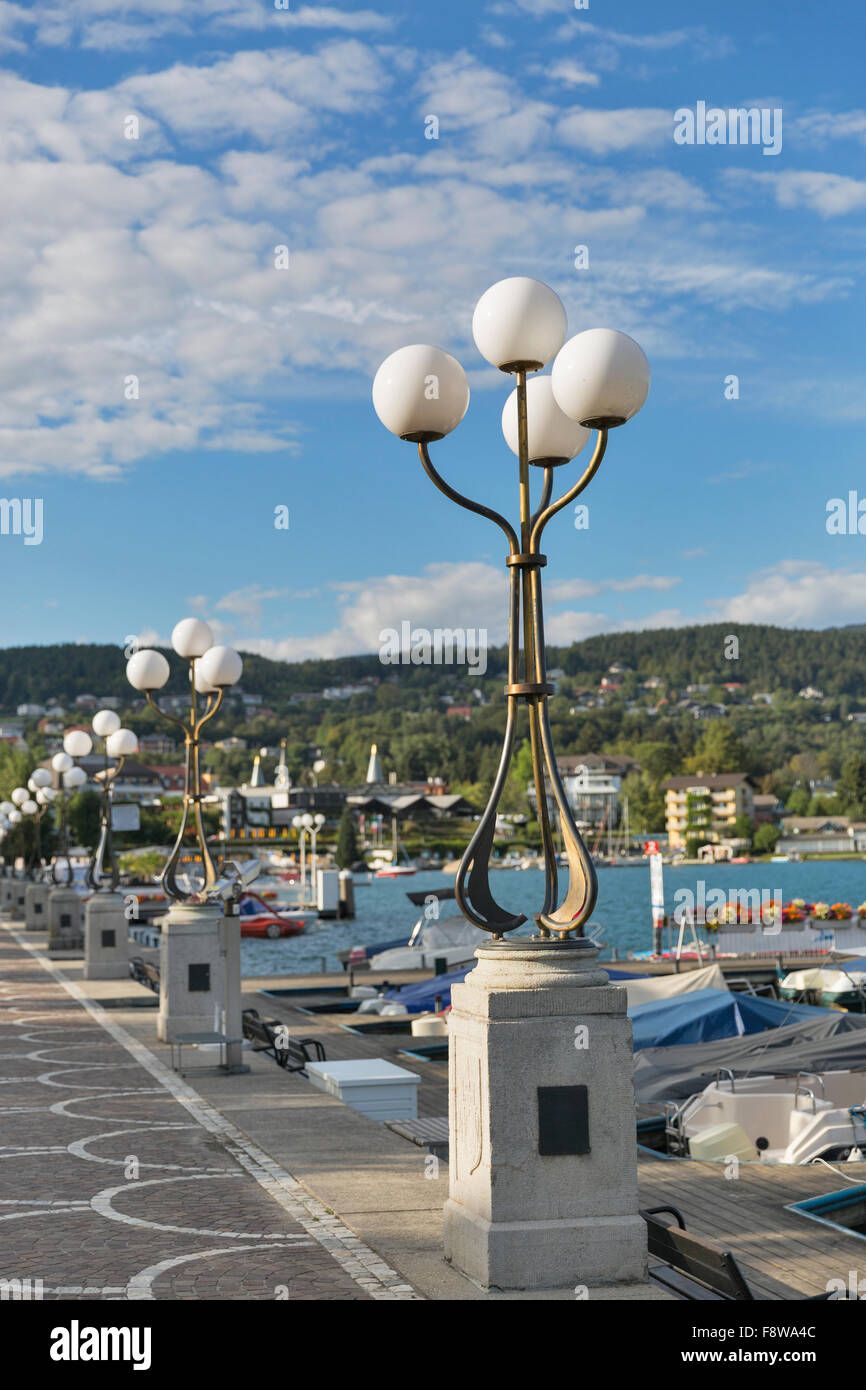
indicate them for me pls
(478, 507)
(542, 517)
(544, 499)
(163, 713)
(210, 711)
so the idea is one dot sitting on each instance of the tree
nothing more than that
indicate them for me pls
(798, 802)
(84, 817)
(742, 828)
(346, 853)
(515, 795)
(766, 837)
(851, 787)
(719, 750)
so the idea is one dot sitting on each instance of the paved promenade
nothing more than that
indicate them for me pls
(118, 1180)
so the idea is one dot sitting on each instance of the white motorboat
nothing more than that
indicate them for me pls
(773, 1119)
(451, 939)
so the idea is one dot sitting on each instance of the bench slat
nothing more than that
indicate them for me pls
(697, 1257)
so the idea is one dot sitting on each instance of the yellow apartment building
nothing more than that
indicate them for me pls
(706, 806)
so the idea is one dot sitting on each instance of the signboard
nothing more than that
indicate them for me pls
(651, 847)
(657, 890)
(125, 816)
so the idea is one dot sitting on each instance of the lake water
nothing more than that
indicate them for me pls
(384, 912)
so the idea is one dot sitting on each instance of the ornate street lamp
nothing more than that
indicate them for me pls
(599, 380)
(8, 811)
(118, 744)
(39, 785)
(13, 819)
(69, 778)
(28, 811)
(212, 669)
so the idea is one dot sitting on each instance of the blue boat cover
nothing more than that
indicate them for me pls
(707, 1014)
(421, 998)
(700, 1016)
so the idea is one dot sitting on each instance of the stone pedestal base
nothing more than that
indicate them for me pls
(543, 1155)
(18, 905)
(191, 971)
(106, 942)
(36, 898)
(7, 894)
(64, 916)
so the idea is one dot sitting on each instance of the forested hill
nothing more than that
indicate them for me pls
(769, 658)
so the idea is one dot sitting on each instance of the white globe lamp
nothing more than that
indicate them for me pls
(147, 670)
(519, 324)
(601, 378)
(420, 393)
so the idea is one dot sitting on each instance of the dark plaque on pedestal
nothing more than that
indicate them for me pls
(563, 1120)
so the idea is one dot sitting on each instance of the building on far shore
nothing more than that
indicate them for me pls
(769, 809)
(822, 835)
(593, 786)
(272, 807)
(705, 806)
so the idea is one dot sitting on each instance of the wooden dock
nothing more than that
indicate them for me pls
(783, 1254)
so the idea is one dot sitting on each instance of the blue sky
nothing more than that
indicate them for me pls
(154, 258)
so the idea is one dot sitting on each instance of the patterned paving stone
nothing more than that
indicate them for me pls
(117, 1181)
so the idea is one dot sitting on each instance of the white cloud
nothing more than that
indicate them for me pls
(821, 126)
(246, 604)
(830, 195)
(571, 74)
(468, 595)
(607, 131)
(562, 589)
(96, 24)
(798, 593)
(154, 258)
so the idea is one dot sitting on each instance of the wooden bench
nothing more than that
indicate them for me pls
(144, 973)
(695, 1267)
(272, 1037)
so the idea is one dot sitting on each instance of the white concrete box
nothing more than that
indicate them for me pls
(375, 1087)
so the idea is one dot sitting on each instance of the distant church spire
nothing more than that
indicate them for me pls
(257, 777)
(374, 767)
(281, 776)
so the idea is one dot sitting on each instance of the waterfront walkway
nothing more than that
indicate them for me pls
(118, 1180)
(121, 1180)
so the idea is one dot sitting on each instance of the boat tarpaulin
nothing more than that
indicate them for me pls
(828, 1040)
(421, 998)
(706, 1014)
(642, 989)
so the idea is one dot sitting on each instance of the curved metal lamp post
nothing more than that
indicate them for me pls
(12, 821)
(29, 811)
(305, 825)
(211, 670)
(69, 778)
(103, 873)
(600, 379)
